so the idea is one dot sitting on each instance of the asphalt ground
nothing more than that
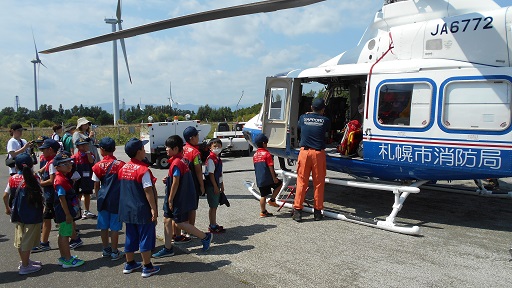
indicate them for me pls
(464, 242)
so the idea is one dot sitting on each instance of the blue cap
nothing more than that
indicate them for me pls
(23, 159)
(108, 144)
(61, 158)
(81, 140)
(260, 138)
(50, 143)
(133, 145)
(190, 132)
(41, 139)
(318, 104)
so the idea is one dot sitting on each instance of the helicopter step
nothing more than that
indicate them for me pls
(401, 193)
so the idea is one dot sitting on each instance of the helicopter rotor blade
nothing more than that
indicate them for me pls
(233, 11)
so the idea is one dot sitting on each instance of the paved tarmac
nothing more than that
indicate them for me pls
(464, 242)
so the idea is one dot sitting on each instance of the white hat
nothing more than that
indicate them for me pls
(81, 121)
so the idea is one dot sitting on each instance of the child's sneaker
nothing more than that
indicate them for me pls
(207, 241)
(41, 248)
(72, 262)
(88, 215)
(273, 203)
(164, 253)
(106, 252)
(30, 262)
(117, 255)
(216, 229)
(180, 239)
(265, 214)
(75, 243)
(61, 260)
(129, 268)
(30, 268)
(146, 272)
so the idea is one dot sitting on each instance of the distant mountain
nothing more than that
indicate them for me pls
(192, 107)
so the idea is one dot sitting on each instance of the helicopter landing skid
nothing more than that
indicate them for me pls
(401, 193)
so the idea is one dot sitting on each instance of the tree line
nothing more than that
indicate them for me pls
(47, 116)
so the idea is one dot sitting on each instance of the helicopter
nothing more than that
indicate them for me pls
(429, 84)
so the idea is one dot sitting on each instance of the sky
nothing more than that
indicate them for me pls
(207, 63)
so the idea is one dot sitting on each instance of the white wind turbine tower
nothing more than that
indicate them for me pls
(172, 100)
(37, 62)
(113, 22)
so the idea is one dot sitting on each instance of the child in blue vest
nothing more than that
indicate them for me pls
(138, 208)
(84, 160)
(214, 184)
(66, 208)
(49, 148)
(181, 195)
(107, 189)
(266, 178)
(26, 210)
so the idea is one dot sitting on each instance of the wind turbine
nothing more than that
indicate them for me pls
(172, 100)
(113, 22)
(36, 75)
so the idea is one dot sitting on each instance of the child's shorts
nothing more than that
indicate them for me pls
(65, 229)
(49, 211)
(180, 218)
(140, 237)
(88, 192)
(267, 190)
(107, 220)
(27, 236)
(213, 199)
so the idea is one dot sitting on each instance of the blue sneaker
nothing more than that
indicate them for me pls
(107, 252)
(164, 253)
(207, 241)
(72, 262)
(146, 272)
(73, 244)
(42, 247)
(129, 268)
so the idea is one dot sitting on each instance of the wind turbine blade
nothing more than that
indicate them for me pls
(233, 11)
(124, 51)
(35, 46)
(125, 57)
(42, 64)
(118, 12)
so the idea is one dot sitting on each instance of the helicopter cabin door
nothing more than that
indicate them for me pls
(276, 110)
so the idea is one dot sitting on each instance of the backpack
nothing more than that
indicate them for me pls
(351, 138)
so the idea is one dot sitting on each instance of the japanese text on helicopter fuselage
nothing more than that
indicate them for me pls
(464, 25)
(441, 156)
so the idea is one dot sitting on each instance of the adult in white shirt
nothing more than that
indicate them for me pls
(16, 145)
(83, 130)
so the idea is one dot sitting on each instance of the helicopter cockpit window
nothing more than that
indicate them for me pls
(277, 103)
(405, 104)
(477, 105)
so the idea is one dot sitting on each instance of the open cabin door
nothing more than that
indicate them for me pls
(276, 110)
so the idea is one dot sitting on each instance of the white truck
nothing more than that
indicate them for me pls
(158, 132)
(233, 140)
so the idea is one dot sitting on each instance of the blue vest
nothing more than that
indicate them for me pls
(84, 183)
(185, 198)
(71, 199)
(22, 211)
(108, 195)
(48, 191)
(218, 170)
(261, 169)
(134, 207)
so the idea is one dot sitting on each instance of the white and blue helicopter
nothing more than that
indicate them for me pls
(432, 78)
(432, 81)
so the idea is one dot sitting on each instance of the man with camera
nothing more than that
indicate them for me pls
(16, 145)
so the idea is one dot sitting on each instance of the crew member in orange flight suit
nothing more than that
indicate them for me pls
(313, 127)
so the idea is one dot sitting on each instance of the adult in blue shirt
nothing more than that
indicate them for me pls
(313, 127)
